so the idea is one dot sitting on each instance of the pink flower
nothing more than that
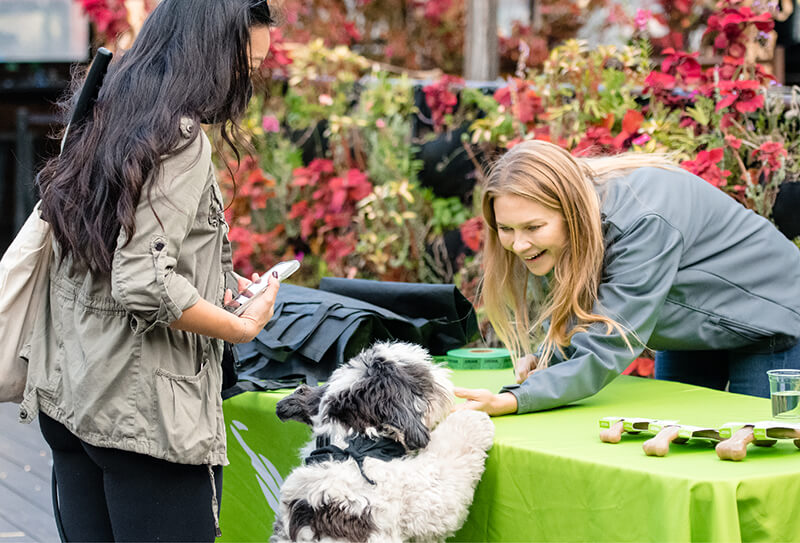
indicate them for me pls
(641, 18)
(270, 123)
(380, 123)
(325, 100)
(641, 140)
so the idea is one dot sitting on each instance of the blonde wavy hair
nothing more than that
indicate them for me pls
(550, 176)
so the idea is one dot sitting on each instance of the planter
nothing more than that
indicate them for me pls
(447, 168)
(786, 211)
(449, 250)
(312, 141)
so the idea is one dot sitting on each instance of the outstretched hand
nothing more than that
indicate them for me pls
(481, 399)
(210, 320)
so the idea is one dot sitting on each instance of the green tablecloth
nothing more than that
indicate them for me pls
(549, 477)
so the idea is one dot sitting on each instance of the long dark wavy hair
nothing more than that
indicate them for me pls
(190, 59)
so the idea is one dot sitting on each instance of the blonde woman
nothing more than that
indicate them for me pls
(588, 261)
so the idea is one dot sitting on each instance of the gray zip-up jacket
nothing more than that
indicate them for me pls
(686, 267)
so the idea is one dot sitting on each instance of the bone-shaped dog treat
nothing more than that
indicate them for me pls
(736, 436)
(612, 428)
(735, 447)
(613, 433)
(679, 433)
(659, 445)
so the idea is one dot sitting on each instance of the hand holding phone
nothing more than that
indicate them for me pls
(243, 301)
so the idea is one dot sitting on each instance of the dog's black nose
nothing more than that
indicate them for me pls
(301, 405)
(289, 408)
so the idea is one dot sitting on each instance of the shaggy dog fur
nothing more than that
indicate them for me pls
(394, 391)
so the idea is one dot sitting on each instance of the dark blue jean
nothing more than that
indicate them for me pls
(745, 373)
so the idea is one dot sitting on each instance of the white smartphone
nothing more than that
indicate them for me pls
(284, 269)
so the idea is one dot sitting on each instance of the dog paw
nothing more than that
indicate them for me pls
(475, 426)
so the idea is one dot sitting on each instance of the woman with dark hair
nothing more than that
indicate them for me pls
(124, 366)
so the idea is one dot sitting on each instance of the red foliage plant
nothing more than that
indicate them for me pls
(736, 84)
(325, 207)
(706, 166)
(278, 57)
(682, 65)
(520, 97)
(729, 27)
(256, 245)
(743, 96)
(472, 233)
(442, 99)
(771, 154)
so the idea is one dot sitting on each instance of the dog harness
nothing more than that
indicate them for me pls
(358, 448)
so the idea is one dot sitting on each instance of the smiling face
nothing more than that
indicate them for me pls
(535, 233)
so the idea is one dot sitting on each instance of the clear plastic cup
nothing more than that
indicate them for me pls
(784, 390)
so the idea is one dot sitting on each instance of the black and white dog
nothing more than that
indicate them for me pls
(387, 460)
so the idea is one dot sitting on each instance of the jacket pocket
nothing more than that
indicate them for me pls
(185, 412)
(211, 210)
(750, 333)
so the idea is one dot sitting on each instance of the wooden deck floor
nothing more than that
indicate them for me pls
(26, 510)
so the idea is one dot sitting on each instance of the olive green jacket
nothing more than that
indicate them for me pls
(103, 360)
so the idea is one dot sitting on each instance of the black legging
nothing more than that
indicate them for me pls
(113, 495)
